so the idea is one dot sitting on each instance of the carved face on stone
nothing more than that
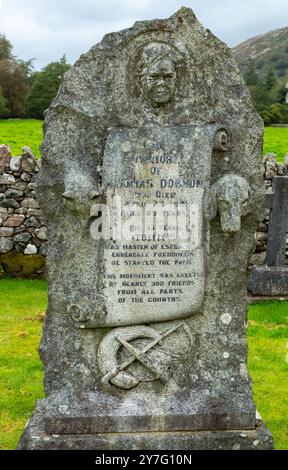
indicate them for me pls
(158, 74)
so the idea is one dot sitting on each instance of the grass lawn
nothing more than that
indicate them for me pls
(22, 303)
(20, 132)
(276, 141)
(268, 365)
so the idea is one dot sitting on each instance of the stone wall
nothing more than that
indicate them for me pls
(271, 168)
(23, 235)
(23, 232)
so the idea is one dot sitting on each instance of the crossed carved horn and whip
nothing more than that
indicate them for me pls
(116, 374)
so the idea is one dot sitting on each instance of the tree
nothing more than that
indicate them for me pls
(5, 48)
(270, 79)
(14, 75)
(44, 87)
(280, 90)
(14, 85)
(250, 76)
(261, 97)
(279, 113)
(4, 111)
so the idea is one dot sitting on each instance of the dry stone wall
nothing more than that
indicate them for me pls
(271, 169)
(23, 233)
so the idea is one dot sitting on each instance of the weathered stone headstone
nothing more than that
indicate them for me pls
(272, 278)
(144, 341)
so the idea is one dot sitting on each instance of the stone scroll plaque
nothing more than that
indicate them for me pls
(151, 185)
(155, 177)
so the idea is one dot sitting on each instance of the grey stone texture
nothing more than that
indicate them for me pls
(35, 437)
(171, 374)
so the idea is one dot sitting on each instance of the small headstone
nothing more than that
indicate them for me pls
(272, 278)
(151, 187)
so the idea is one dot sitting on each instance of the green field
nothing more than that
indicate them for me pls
(20, 132)
(276, 141)
(22, 303)
(268, 364)
(17, 133)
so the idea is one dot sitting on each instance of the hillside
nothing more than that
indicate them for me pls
(266, 51)
(263, 60)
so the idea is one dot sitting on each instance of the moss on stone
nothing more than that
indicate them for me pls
(19, 265)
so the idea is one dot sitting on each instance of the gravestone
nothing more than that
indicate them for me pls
(151, 184)
(272, 278)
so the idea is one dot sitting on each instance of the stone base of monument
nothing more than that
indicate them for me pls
(36, 436)
(268, 281)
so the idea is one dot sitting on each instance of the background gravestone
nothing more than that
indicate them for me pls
(144, 341)
(272, 278)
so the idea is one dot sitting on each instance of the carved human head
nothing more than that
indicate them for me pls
(158, 73)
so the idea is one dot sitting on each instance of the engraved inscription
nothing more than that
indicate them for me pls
(155, 233)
